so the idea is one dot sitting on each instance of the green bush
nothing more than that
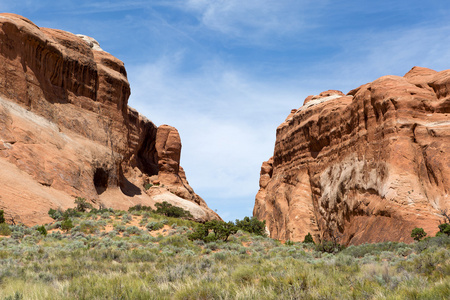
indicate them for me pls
(71, 213)
(252, 225)
(2, 216)
(444, 229)
(169, 210)
(140, 207)
(41, 229)
(418, 233)
(308, 239)
(55, 214)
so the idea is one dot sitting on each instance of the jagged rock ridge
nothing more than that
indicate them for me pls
(368, 166)
(66, 130)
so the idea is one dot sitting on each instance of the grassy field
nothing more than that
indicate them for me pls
(121, 255)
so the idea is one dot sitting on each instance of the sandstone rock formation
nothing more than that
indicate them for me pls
(66, 130)
(368, 166)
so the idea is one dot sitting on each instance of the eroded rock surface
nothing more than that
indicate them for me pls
(368, 166)
(66, 130)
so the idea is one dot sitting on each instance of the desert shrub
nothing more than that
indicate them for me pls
(188, 253)
(373, 249)
(66, 225)
(140, 207)
(17, 235)
(55, 214)
(4, 229)
(404, 251)
(212, 246)
(56, 235)
(133, 230)
(30, 239)
(88, 227)
(169, 210)
(82, 204)
(120, 228)
(429, 242)
(147, 186)
(154, 226)
(182, 229)
(105, 215)
(252, 225)
(101, 211)
(127, 218)
(71, 213)
(329, 247)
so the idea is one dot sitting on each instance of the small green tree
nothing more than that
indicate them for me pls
(213, 230)
(223, 230)
(82, 204)
(200, 233)
(308, 239)
(418, 233)
(444, 229)
(66, 225)
(252, 225)
(2, 216)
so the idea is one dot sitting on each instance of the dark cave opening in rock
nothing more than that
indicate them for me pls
(100, 180)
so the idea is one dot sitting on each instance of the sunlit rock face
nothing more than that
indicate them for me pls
(66, 130)
(368, 166)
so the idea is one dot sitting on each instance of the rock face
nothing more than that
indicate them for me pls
(66, 130)
(368, 166)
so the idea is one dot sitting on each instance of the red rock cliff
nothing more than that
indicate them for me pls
(66, 130)
(368, 166)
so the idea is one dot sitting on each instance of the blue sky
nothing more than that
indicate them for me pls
(226, 73)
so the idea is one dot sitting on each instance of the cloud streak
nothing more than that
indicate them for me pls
(253, 21)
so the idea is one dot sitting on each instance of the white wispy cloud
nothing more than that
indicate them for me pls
(227, 120)
(254, 20)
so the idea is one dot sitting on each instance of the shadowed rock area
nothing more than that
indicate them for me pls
(368, 166)
(66, 130)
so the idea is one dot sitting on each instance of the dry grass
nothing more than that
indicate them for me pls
(164, 264)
